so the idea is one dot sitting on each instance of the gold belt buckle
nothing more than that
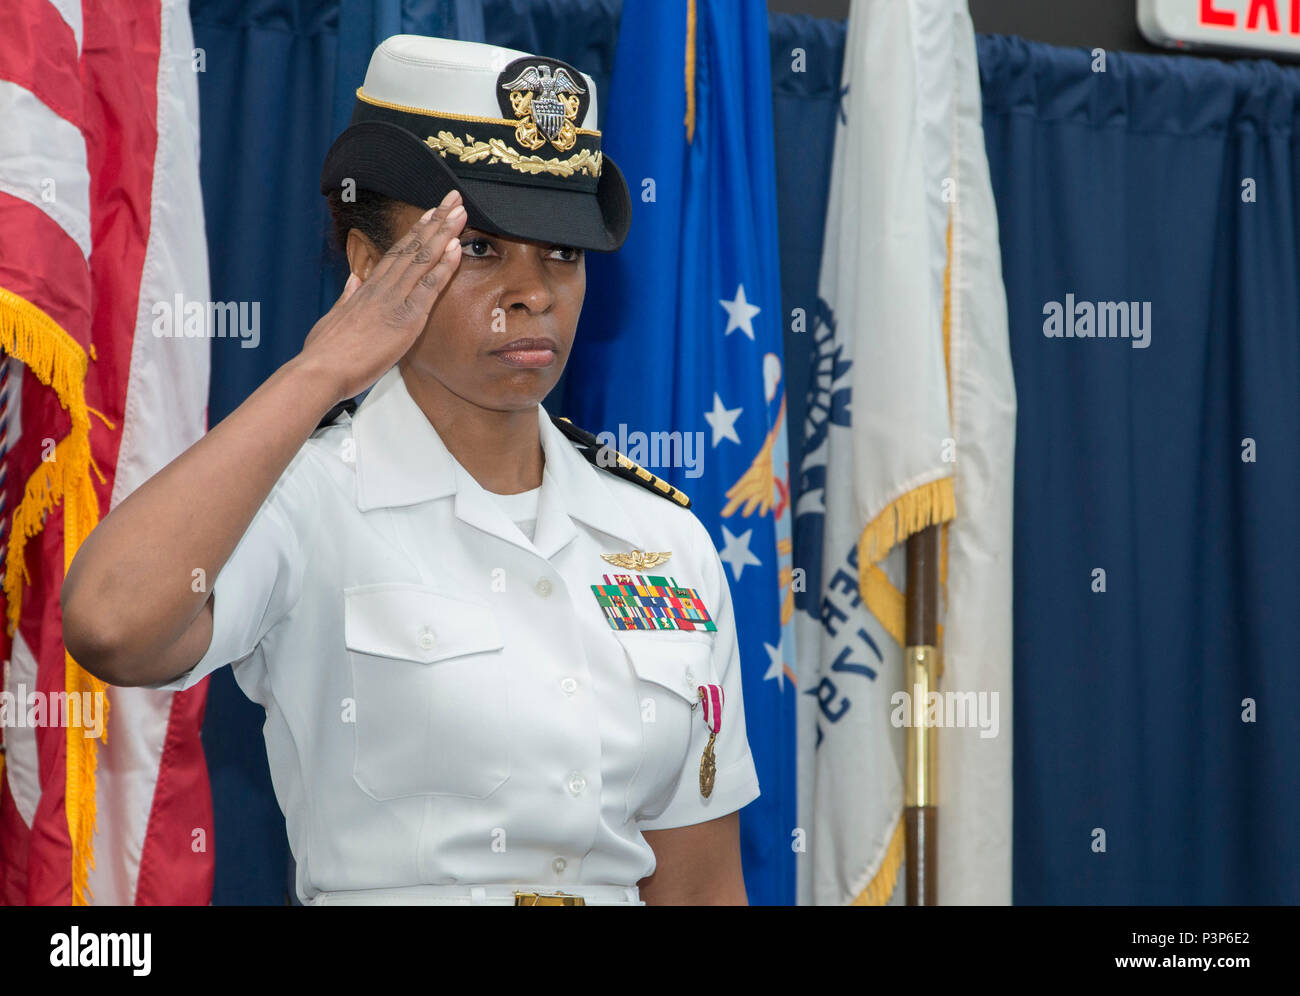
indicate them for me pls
(548, 899)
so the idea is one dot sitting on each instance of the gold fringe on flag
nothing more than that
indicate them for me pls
(690, 70)
(925, 505)
(58, 361)
(881, 887)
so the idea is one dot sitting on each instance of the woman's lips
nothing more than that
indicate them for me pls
(527, 352)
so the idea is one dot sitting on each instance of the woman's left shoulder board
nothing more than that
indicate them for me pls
(607, 458)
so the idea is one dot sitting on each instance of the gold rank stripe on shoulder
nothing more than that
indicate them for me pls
(646, 476)
(627, 469)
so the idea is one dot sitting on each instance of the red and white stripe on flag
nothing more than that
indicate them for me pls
(100, 217)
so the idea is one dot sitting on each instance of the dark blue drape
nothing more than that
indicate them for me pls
(807, 56)
(1127, 185)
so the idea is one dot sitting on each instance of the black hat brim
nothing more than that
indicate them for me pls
(388, 159)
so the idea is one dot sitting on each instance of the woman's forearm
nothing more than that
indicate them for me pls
(130, 593)
(132, 613)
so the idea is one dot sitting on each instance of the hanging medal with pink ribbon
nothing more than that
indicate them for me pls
(711, 698)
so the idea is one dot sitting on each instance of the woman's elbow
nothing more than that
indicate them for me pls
(88, 632)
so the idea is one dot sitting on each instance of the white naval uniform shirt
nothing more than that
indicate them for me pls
(445, 700)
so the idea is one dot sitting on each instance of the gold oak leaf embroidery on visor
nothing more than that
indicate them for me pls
(494, 150)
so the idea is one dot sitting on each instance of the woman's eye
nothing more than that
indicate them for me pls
(568, 253)
(476, 247)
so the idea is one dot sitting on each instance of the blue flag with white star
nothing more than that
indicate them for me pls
(681, 332)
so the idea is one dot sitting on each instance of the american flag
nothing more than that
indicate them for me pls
(100, 217)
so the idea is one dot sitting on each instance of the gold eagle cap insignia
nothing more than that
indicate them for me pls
(637, 560)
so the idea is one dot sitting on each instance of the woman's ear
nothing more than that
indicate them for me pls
(362, 254)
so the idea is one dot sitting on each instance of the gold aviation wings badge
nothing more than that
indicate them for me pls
(637, 560)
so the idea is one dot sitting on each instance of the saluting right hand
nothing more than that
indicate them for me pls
(374, 322)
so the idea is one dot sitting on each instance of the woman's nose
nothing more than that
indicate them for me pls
(527, 283)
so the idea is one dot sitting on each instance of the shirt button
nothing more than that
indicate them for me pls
(577, 783)
(426, 639)
(569, 685)
(558, 865)
(543, 588)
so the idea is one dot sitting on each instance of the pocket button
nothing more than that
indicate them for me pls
(427, 639)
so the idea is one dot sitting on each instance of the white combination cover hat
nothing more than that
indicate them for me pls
(515, 133)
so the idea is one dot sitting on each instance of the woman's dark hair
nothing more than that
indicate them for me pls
(370, 213)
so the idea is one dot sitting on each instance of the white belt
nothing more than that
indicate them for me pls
(475, 895)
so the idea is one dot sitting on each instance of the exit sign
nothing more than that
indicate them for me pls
(1261, 27)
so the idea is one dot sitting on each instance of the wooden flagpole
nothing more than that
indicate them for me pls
(921, 671)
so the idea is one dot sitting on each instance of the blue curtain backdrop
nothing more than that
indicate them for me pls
(1117, 186)
(1172, 181)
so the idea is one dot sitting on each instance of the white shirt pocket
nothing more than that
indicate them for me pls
(431, 692)
(669, 671)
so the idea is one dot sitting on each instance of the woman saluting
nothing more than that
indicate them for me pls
(495, 662)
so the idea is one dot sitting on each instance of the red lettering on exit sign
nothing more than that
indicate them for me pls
(1262, 15)
(1261, 28)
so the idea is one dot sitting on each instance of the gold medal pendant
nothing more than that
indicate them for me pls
(708, 768)
(711, 700)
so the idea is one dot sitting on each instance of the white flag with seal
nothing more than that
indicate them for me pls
(912, 424)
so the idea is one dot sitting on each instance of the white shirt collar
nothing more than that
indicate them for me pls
(401, 460)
